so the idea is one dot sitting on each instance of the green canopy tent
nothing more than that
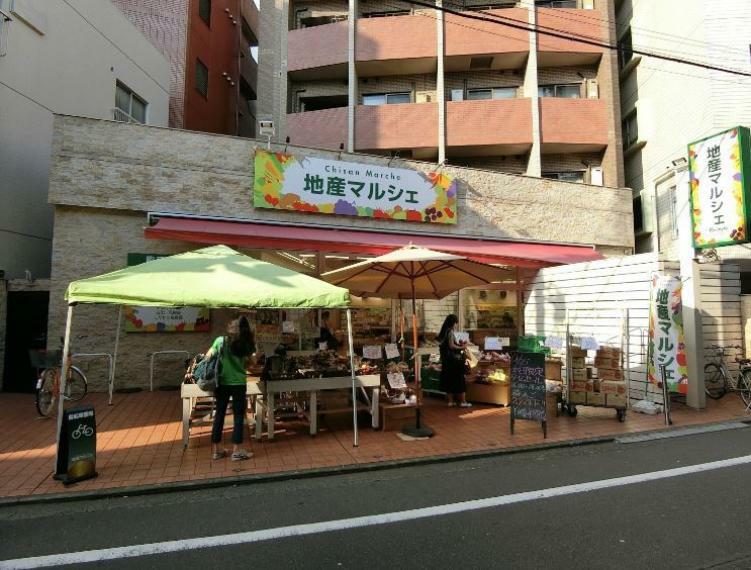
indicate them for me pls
(215, 277)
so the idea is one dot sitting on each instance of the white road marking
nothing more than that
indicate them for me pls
(358, 522)
(682, 432)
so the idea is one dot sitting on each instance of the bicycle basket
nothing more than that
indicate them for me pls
(45, 358)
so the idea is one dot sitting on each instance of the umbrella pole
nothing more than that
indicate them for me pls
(63, 381)
(356, 435)
(419, 430)
(117, 346)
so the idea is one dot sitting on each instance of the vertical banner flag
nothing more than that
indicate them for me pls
(720, 171)
(666, 344)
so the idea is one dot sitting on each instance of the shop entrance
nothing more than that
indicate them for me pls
(26, 329)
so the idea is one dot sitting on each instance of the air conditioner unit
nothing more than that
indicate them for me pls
(595, 176)
(593, 90)
(425, 96)
(643, 213)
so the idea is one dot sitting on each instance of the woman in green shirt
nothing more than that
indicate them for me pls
(236, 349)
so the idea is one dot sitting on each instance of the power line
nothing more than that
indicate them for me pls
(25, 96)
(518, 24)
(7, 231)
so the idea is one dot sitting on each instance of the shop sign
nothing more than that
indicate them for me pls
(666, 346)
(317, 185)
(163, 319)
(528, 388)
(720, 172)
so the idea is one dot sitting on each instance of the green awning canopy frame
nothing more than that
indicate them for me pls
(215, 277)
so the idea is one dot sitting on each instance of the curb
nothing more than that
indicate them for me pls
(219, 482)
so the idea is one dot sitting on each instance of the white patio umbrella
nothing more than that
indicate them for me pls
(414, 272)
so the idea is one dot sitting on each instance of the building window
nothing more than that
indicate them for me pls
(673, 211)
(129, 107)
(202, 78)
(386, 98)
(386, 14)
(565, 91)
(565, 176)
(557, 3)
(630, 130)
(625, 49)
(204, 11)
(494, 93)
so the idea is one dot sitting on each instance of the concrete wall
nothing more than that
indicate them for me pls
(102, 185)
(67, 62)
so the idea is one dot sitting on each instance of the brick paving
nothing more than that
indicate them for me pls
(139, 440)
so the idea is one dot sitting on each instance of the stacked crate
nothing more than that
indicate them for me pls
(577, 376)
(609, 366)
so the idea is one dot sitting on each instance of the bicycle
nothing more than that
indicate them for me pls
(718, 380)
(48, 382)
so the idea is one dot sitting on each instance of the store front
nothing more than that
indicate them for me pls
(120, 191)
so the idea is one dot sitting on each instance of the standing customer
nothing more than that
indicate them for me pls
(236, 349)
(452, 364)
(327, 332)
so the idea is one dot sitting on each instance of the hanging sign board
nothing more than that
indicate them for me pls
(496, 342)
(720, 173)
(528, 388)
(323, 186)
(553, 342)
(76, 451)
(666, 345)
(589, 343)
(392, 351)
(396, 380)
(163, 319)
(373, 352)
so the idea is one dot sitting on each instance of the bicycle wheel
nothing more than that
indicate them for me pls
(744, 386)
(714, 381)
(46, 397)
(76, 385)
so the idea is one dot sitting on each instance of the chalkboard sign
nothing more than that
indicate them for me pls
(528, 388)
(76, 452)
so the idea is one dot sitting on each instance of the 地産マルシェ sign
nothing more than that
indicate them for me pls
(323, 186)
(666, 346)
(720, 174)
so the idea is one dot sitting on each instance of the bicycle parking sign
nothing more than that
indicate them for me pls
(76, 457)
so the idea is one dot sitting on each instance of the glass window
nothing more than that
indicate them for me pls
(477, 94)
(565, 176)
(630, 130)
(386, 98)
(374, 99)
(625, 49)
(674, 212)
(556, 3)
(129, 107)
(202, 78)
(546, 91)
(504, 92)
(457, 94)
(566, 91)
(204, 11)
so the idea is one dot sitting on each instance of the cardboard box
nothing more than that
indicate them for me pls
(602, 362)
(606, 374)
(618, 400)
(579, 375)
(577, 352)
(579, 385)
(499, 394)
(553, 369)
(395, 416)
(609, 352)
(578, 362)
(613, 387)
(595, 398)
(577, 397)
(551, 402)
(590, 386)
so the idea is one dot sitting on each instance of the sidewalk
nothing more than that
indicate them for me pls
(139, 440)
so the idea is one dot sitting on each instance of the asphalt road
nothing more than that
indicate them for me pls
(698, 520)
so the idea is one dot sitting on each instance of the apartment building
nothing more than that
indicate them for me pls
(421, 83)
(666, 105)
(72, 57)
(213, 71)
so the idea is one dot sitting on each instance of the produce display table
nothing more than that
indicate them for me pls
(313, 385)
(190, 394)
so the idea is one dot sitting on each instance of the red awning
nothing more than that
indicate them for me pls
(298, 238)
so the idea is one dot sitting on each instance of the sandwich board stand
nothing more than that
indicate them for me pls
(76, 454)
(528, 389)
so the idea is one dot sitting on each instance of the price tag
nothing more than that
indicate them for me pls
(461, 336)
(288, 327)
(396, 380)
(373, 352)
(392, 351)
(323, 346)
(553, 342)
(496, 342)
